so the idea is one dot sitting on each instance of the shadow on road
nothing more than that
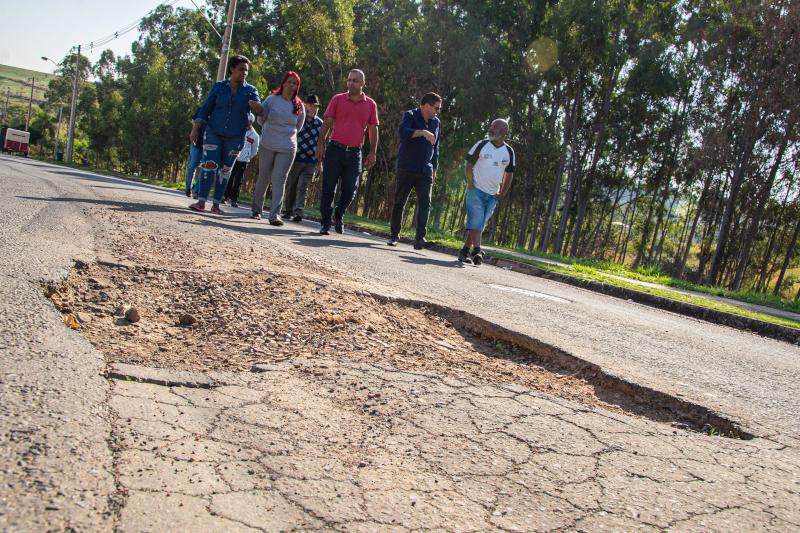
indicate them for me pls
(422, 260)
(120, 206)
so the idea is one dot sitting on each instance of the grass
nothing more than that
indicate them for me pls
(15, 79)
(665, 292)
(585, 269)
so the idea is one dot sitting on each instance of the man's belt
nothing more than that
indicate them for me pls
(348, 148)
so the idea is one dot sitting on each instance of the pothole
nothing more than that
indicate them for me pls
(232, 320)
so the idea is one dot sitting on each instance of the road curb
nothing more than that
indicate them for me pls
(715, 316)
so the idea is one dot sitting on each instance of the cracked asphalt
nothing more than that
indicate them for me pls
(359, 447)
(288, 449)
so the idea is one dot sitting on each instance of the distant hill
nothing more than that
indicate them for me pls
(16, 79)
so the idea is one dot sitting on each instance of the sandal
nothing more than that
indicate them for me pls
(196, 207)
(217, 211)
(255, 216)
(275, 222)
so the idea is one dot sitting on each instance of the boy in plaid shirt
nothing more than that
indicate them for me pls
(305, 162)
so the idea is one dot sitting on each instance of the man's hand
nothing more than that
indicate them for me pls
(370, 160)
(319, 165)
(320, 153)
(258, 108)
(430, 137)
(499, 196)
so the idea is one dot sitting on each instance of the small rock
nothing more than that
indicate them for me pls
(163, 348)
(187, 319)
(83, 317)
(362, 464)
(132, 315)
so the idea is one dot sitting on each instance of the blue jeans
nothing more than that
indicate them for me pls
(338, 163)
(195, 156)
(222, 152)
(480, 206)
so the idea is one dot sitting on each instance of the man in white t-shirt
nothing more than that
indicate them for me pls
(490, 170)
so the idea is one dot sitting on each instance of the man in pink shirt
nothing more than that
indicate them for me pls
(348, 114)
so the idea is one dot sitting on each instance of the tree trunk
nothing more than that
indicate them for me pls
(544, 243)
(645, 233)
(538, 212)
(788, 259)
(764, 195)
(746, 146)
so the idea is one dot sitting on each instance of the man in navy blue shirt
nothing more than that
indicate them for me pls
(417, 161)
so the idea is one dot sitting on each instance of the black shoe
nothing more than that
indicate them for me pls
(464, 257)
(286, 216)
(224, 201)
(297, 218)
(393, 241)
(194, 196)
(325, 230)
(234, 204)
(188, 193)
(422, 243)
(477, 259)
(339, 226)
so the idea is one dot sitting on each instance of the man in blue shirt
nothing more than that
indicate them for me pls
(417, 161)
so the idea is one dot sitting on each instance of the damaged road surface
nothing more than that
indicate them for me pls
(323, 445)
(191, 374)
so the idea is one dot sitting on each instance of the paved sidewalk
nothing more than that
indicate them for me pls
(729, 301)
(315, 445)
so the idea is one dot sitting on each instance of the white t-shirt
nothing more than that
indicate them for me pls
(491, 163)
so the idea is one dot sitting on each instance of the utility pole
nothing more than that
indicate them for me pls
(5, 112)
(222, 70)
(74, 109)
(30, 103)
(58, 133)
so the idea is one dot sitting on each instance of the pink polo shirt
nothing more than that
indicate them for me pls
(351, 118)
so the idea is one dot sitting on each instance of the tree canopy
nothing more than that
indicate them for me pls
(659, 133)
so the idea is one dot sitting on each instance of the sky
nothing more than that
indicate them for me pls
(51, 27)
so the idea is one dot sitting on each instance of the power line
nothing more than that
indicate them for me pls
(207, 19)
(127, 29)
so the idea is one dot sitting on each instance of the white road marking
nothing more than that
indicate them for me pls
(530, 293)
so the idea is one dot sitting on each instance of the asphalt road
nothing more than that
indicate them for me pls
(747, 378)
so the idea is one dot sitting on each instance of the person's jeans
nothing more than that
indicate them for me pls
(195, 156)
(422, 184)
(273, 167)
(297, 187)
(480, 206)
(235, 183)
(338, 163)
(218, 151)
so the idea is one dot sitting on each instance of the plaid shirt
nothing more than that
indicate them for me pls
(307, 141)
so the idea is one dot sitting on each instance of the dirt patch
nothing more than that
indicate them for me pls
(234, 319)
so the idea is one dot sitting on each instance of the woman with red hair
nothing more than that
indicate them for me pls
(282, 117)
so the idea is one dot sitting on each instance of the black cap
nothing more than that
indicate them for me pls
(312, 99)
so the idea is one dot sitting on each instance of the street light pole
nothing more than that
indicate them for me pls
(58, 133)
(5, 112)
(222, 70)
(74, 109)
(30, 103)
